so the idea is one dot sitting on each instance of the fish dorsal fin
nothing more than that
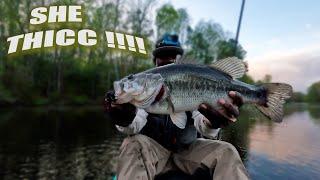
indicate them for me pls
(233, 66)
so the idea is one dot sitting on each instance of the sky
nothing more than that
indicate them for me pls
(282, 38)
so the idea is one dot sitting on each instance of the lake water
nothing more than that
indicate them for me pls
(80, 143)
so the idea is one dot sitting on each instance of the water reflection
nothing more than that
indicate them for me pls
(80, 143)
(289, 150)
(57, 144)
(296, 140)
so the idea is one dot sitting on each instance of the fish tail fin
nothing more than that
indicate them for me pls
(275, 95)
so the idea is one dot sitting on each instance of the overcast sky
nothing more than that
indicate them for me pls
(282, 38)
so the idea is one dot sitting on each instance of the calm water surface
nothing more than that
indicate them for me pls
(80, 143)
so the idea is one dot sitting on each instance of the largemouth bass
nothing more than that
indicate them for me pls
(176, 88)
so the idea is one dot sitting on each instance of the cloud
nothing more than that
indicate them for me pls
(298, 67)
(308, 26)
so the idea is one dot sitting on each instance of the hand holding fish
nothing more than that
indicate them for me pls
(121, 114)
(222, 117)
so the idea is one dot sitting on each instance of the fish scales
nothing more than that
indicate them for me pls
(188, 86)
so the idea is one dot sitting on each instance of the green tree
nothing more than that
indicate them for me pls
(313, 94)
(171, 20)
(167, 20)
(247, 79)
(81, 75)
(139, 18)
(202, 41)
(226, 48)
(297, 97)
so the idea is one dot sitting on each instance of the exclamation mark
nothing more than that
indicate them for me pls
(110, 39)
(120, 40)
(130, 40)
(140, 44)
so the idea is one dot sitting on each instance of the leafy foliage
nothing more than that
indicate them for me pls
(226, 48)
(297, 97)
(79, 75)
(313, 95)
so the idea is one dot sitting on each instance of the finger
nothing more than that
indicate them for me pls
(231, 110)
(220, 116)
(110, 106)
(233, 119)
(208, 111)
(218, 113)
(221, 101)
(228, 108)
(203, 106)
(232, 94)
(224, 119)
(219, 120)
(236, 98)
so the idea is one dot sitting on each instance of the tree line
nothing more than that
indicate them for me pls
(311, 96)
(78, 75)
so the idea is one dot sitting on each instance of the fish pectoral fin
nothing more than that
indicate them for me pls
(179, 119)
(233, 66)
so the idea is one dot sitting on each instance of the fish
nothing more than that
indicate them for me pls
(180, 87)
